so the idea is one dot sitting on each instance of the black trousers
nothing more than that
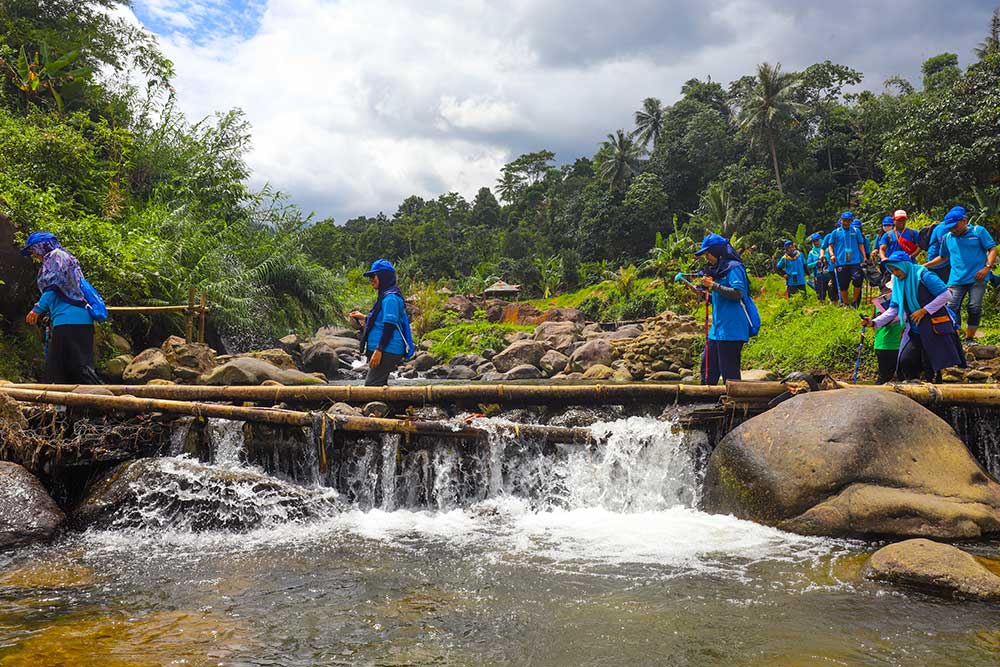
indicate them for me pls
(886, 364)
(794, 289)
(723, 360)
(70, 357)
(825, 288)
(379, 377)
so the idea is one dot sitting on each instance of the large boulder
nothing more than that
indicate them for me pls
(460, 305)
(553, 362)
(247, 370)
(559, 336)
(27, 512)
(115, 367)
(180, 494)
(320, 357)
(331, 331)
(196, 357)
(562, 315)
(852, 462)
(148, 365)
(592, 353)
(274, 356)
(518, 353)
(934, 567)
(523, 372)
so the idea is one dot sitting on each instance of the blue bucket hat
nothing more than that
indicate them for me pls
(787, 242)
(953, 216)
(36, 237)
(896, 257)
(846, 215)
(380, 265)
(709, 241)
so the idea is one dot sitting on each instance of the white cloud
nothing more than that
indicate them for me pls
(356, 104)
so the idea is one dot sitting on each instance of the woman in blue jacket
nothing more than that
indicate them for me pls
(386, 336)
(69, 355)
(793, 269)
(734, 314)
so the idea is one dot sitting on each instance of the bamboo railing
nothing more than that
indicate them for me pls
(291, 417)
(191, 310)
(959, 395)
(507, 394)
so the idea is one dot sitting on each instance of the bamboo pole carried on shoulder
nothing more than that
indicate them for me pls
(506, 394)
(293, 417)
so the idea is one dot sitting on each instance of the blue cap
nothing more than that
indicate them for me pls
(887, 220)
(380, 265)
(36, 237)
(896, 257)
(953, 216)
(711, 240)
(846, 215)
(787, 242)
(816, 236)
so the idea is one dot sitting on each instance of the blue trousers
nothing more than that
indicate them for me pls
(723, 360)
(975, 306)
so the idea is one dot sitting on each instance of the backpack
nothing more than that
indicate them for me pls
(95, 302)
(924, 236)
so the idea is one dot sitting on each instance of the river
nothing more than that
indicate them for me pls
(572, 558)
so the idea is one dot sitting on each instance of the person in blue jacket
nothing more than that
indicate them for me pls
(900, 237)
(793, 269)
(69, 355)
(734, 314)
(846, 248)
(819, 268)
(919, 302)
(973, 254)
(386, 337)
(942, 267)
(856, 224)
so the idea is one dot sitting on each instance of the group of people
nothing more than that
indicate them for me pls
(917, 313)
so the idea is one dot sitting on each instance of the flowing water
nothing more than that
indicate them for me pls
(500, 553)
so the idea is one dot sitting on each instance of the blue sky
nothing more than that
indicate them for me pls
(357, 104)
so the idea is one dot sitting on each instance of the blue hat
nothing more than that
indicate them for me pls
(380, 265)
(787, 242)
(709, 241)
(846, 215)
(896, 257)
(953, 216)
(36, 237)
(886, 221)
(816, 236)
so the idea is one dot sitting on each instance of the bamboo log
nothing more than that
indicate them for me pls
(577, 394)
(290, 417)
(148, 309)
(962, 395)
(753, 392)
(201, 318)
(189, 317)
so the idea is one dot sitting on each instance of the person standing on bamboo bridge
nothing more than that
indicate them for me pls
(69, 357)
(386, 337)
(734, 314)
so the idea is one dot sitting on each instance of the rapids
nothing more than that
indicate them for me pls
(507, 552)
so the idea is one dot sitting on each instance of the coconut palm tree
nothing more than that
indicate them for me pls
(992, 42)
(719, 212)
(508, 185)
(622, 160)
(648, 122)
(769, 104)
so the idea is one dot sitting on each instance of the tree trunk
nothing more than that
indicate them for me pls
(774, 159)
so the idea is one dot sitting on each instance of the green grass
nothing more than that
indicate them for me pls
(472, 338)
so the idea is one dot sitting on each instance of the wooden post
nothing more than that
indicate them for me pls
(189, 317)
(201, 319)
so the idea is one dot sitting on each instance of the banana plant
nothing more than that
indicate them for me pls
(47, 74)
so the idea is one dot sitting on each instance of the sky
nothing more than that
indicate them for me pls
(357, 104)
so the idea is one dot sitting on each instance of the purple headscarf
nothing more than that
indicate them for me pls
(60, 270)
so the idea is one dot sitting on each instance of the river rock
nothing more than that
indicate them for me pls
(562, 315)
(470, 360)
(27, 512)
(422, 361)
(148, 365)
(115, 368)
(852, 462)
(344, 409)
(599, 372)
(375, 409)
(934, 567)
(274, 356)
(320, 357)
(758, 375)
(518, 353)
(171, 343)
(460, 305)
(592, 353)
(559, 336)
(292, 344)
(330, 331)
(553, 362)
(246, 370)
(438, 373)
(197, 358)
(983, 352)
(461, 373)
(523, 372)
(179, 494)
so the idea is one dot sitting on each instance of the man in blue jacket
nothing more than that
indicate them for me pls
(846, 249)
(973, 254)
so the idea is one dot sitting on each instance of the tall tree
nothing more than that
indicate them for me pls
(940, 72)
(649, 122)
(509, 184)
(621, 162)
(770, 103)
(992, 42)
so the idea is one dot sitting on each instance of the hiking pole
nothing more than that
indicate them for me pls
(861, 345)
(836, 280)
(680, 277)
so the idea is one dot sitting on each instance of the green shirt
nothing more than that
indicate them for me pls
(888, 337)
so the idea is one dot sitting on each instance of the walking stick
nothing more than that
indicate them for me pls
(836, 280)
(861, 345)
(705, 371)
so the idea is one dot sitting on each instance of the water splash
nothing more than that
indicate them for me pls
(226, 442)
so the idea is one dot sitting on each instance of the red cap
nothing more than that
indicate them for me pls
(899, 214)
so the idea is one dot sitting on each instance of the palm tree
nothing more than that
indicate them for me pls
(992, 42)
(508, 186)
(622, 160)
(770, 102)
(649, 122)
(719, 211)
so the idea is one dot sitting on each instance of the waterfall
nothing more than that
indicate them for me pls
(979, 428)
(226, 442)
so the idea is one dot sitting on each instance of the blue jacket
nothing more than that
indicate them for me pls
(846, 245)
(61, 311)
(794, 269)
(392, 314)
(730, 319)
(967, 253)
(891, 239)
(934, 246)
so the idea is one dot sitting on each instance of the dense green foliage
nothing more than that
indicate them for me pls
(150, 203)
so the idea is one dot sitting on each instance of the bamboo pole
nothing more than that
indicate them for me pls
(291, 417)
(189, 317)
(963, 395)
(201, 318)
(148, 309)
(576, 394)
